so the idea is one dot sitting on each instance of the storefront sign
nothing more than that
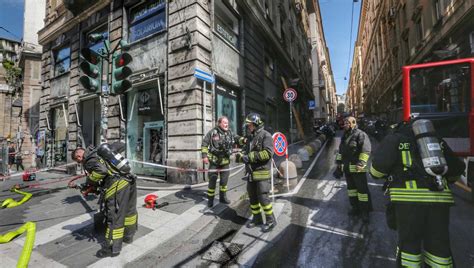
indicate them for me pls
(226, 34)
(147, 27)
(147, 102)
(147, 10)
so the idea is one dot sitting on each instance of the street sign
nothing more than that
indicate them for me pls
(290, 94)
(279, 144)
(202, 75)
(312, 105)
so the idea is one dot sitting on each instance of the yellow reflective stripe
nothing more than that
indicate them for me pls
(352, 193)
(223, 188)
(261, 174)
(377, 174)
(338, 156)
(204, 150)
(411, 264)
(131, 220)
(241, 140)
(30, 229)
(364, 157)
(411, 257)
(252, 156)
(95, 177)
(211, 192)
(118, 233)
(264, 155)
(443, 262)
(256, 209)
(353, 169)
(268, 209)
(363, 197)
(224, 161)
(114, 188)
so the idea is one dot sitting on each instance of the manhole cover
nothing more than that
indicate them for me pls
(222, 252)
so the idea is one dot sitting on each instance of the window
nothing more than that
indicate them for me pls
(62, 60)
(226, 105)
(147, 19)
(419, 30)
(97, 45)
(226, 23)
(437, 10)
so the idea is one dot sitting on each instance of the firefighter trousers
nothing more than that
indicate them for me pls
(358, 191)
(258, 195)
(121, 212)
(211, 189)
(427, 226)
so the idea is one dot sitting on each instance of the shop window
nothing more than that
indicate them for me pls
(145, 130)
(147, 19)
(62, 60)
(59, 135)
(226, 23)
(226, 105)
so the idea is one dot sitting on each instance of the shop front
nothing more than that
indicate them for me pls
(59, 135)
(145, 130)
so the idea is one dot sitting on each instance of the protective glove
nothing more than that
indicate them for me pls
(205, 160)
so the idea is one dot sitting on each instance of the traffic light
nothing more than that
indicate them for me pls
(91, 67)
(120, 72)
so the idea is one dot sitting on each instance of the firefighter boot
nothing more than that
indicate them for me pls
(210, 201)
(106, 252)
(128, 239)
(223, 198)
(256, 221)
(270, 224)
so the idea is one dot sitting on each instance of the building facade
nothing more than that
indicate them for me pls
(394, 33)
(10, 101)
(30, 62)
(253, 48)
(324, 89)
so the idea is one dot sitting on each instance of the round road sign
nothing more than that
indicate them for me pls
(290, 94)
(279, 144)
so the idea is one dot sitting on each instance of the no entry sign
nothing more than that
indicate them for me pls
(290, 94)
(279, 144)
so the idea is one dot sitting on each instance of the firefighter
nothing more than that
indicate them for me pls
(119, 195)
(257, 156)
(421, 209)
(352, 158)
(216, 150)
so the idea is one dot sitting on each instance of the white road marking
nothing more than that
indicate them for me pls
(334, 230)
(254, 240)
(66, 227)
(148, 242)
(10, 253)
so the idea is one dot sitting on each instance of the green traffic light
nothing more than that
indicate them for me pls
(89, 83)
(122, 72)
(120, 87)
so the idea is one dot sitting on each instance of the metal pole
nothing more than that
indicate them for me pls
(291, 122)
(287, 176)
(204, 108)
(271, 172)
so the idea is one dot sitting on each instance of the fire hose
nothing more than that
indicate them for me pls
(11, 203)
(30, 229)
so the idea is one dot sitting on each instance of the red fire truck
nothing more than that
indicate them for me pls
(444, 93)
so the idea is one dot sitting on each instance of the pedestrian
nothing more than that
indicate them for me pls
(11, 156)
(257, 156)
(119, 194)
(421, 208)
(354, 152)
(216, 150)
(19, 161)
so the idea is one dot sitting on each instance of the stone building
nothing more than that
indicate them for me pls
(30, 62)
(10, 103)
(253, 48)
(394, 33)
(324, 89)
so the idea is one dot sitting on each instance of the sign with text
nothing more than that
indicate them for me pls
(290, 95)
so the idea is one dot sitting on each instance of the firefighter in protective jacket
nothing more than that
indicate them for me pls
(216, 150)
(354, 152)
(257, 156)
(421, 210)
(119, 197)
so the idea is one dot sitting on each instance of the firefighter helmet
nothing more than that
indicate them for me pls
(150, 200)
(255, 119)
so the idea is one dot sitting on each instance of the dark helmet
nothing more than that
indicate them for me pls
(254, 118)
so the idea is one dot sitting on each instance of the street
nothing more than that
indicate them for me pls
(313, 228)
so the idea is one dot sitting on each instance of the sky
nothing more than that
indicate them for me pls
(336, 17)
(11, 18)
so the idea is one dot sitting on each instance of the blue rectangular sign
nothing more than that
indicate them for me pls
(200, 74)
(312, 104)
